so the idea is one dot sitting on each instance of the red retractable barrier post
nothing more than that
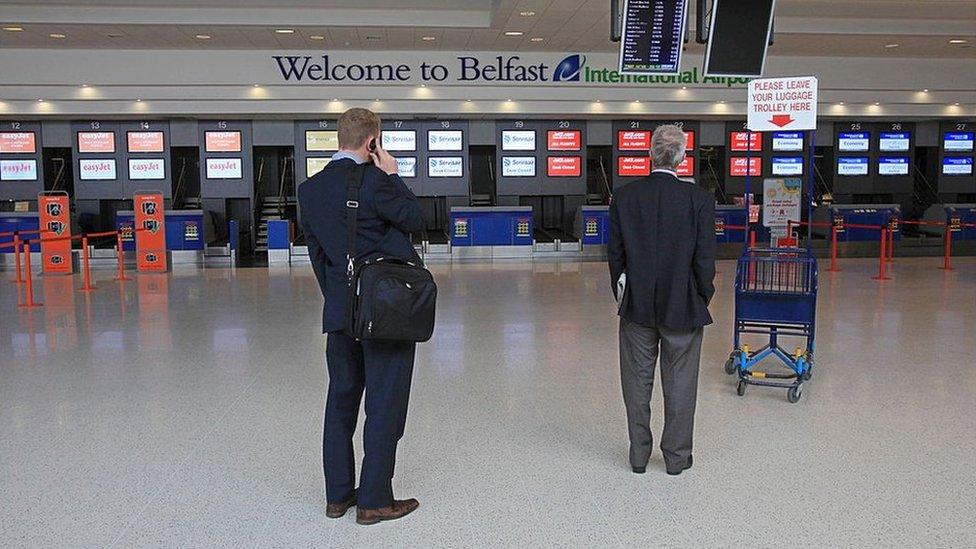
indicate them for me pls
(833, 249)
(85, 267)
(883, 256)
(947, 253)
(29, 303)
(121, 254)
(19, 279)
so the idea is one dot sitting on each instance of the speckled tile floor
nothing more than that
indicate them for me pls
(184, 410)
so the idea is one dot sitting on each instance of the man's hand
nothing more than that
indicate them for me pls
(384, 160)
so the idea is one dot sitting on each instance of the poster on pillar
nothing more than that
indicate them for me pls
(776, 104)
(150, 229)
(781, 204)
(55, 223)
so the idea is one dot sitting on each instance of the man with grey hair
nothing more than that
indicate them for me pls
(662, 264)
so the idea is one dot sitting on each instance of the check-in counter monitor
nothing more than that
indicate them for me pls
(762, 155)
(540, 157)
(315, 143)
(632, 147)
(874, 158)
(957, 152)
(432, 155)
(21, 161)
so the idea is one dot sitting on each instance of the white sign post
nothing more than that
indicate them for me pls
(776, 104)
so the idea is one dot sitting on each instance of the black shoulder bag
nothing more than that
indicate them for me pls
(388, 298)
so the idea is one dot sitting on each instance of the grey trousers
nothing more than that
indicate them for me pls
(680, 353)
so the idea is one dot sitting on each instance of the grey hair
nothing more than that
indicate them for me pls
(668, 147)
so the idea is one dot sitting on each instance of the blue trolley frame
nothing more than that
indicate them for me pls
(775, 296)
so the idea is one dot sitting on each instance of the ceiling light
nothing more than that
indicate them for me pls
(374, 38)
(892, 45)
(684, 87)
(722, 102)
(257, 85)
(527, 13)
(876, 103)
(636, 100)
(958, 41)
(115, 35)
(335, 99)
(316, 37)
(926, 90)
(285, 31)
(84, 85)
(376, 101)
(514, 33)
(508, 100)
(423, 85)
(536, 39)
(956, 104)
(204, 36)
(467, 100)
(597, 100)
(58, 35)
(841, 103)
(13, 29)
(138, 100)
(429, 38)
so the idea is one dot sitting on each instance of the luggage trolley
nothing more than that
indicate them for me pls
(775, 295)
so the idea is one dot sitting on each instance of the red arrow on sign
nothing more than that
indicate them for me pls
(782, 120)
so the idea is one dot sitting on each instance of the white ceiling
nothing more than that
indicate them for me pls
(855, 28)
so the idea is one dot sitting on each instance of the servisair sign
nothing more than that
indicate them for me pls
(529, 69)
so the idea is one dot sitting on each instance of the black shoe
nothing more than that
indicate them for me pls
(639, 470)
(674, 472)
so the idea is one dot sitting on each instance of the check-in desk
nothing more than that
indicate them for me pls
(497, 231)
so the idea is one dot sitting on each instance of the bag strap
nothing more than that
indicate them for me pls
(354, 180)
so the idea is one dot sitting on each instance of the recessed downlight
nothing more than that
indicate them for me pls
(13, 29)
(527, 13)
(58, 35)
(536, 39)
(316, 37)
(428, 38)
(284, 31)
(204, 37)
(514, 33)
(958, 41)
(889, 46)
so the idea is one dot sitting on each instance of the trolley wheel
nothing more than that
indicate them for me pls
(740, 388)
(794, 394)
(731, 365)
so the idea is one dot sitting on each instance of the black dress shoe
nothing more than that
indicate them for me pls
(674, 472)
(639, 470)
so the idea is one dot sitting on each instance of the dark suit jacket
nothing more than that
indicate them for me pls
(388, 212)
(662, 234)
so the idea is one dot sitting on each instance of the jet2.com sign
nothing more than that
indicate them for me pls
(510, 69)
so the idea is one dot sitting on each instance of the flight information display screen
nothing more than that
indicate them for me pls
(958, 141)
(653, 36)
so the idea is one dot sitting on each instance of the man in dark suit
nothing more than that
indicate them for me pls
(386, 215)
(662, 258)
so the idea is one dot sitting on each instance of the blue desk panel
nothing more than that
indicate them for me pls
(492, 226)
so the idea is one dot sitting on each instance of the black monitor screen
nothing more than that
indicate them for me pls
(738, 37)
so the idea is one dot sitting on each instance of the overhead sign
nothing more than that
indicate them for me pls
(781, 204)
(782, 104)
(653, 36)
(53, 215)
(150, 227)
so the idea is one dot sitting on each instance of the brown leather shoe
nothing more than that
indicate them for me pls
(338, 510)
(399, 509)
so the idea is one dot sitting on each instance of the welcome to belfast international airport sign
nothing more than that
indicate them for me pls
(528, 69)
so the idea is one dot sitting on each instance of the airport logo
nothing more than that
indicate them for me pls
(568, 70)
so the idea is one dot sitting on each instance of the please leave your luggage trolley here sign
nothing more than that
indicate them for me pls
(783, 104)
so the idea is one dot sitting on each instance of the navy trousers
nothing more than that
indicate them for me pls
(383, 369)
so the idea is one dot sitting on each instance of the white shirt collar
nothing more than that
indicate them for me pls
(342, 155)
